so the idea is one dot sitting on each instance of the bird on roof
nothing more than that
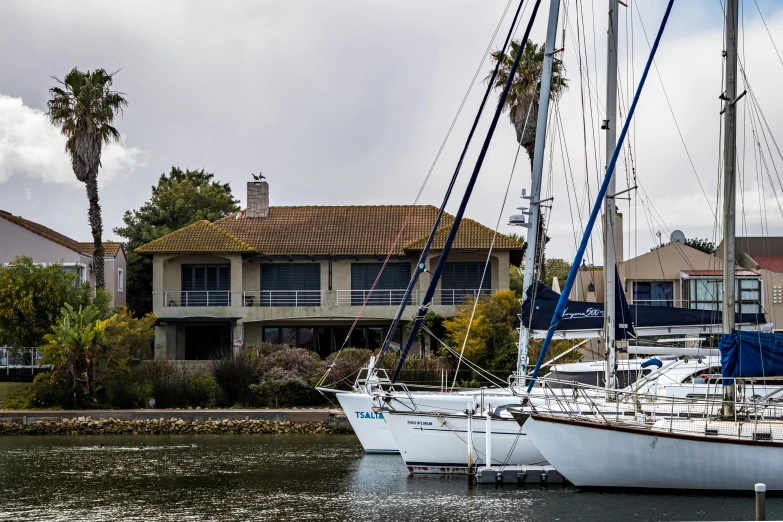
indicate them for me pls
(259, 177)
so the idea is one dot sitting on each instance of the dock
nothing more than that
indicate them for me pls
(519, 475)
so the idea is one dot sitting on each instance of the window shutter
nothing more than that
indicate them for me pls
(187, 278)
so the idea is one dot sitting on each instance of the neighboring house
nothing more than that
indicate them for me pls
(680, 276)
(301, 275)
(22, 237)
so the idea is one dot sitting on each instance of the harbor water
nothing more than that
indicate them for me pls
(290, 477)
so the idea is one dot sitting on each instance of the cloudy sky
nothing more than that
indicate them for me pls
(347, 102)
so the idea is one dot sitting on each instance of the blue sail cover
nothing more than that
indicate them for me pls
(750, 354)
(580, 315)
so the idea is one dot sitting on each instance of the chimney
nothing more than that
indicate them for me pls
(257, 199)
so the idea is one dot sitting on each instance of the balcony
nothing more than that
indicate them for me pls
(374, 297)
(283, 298)
(197, 298)
(460, 296)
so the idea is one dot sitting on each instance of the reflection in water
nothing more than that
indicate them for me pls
(303, 477)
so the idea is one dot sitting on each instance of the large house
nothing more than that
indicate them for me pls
(301, 275)
(22, 237)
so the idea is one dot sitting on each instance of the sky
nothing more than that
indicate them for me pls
(347, 102)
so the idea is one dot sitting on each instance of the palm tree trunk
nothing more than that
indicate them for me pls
(96, 226)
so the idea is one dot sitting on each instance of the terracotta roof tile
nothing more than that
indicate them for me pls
(110, 248)
(41, 230)
(771, 263)
(201, 236)
(330, 230)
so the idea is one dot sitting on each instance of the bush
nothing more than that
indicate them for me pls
(345, 364)
(233, 374)
(287, 377)
(171, 387)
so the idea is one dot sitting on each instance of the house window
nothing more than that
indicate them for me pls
(78, 270)
(290, 285)
(206, 285)
(707, 294)
(388, 291)
(653, 293)
(120, 279)
(461, 280)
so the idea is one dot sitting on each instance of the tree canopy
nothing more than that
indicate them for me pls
(180, 198)
(704, 245)
(31, 297)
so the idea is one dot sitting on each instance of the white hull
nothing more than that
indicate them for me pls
(432, 443)
(595, 455)
(369, 426)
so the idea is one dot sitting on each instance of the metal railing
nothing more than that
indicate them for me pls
(25, 358)
(459, 296)
(282, 298)
(197, 298)
(376, 298)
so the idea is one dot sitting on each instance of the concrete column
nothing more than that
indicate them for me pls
(236, 280)
(158, 297)
(502, 271)
(238, 333)
(166, 342)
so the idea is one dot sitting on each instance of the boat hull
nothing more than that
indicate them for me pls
(369, 426)
(591, 454)
(431, 443)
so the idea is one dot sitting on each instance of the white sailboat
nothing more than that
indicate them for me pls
(699, 444)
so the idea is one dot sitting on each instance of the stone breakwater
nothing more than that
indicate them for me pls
(172, 426)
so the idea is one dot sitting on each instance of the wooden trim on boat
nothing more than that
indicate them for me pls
(647, 431)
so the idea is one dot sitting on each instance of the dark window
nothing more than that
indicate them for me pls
(374, 338)
(653, 293)
(206, 342)
(290, 284)
(390, 288)
(464, 279)
(206, 285)
(707, 294)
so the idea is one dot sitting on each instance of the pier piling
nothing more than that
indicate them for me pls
(761, 502)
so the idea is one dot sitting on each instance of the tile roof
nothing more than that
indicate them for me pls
(740, 272)
(201, 236)
(771, 263)
(327, 230)
(110, 248)
(41, 230)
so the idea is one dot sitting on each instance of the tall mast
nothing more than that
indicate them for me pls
(610, 209)
(535, 186)
(729, 181)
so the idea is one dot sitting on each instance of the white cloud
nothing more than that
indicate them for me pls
(28, 195)
(31, 146)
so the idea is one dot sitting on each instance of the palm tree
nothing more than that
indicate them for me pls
(83, 106)
(523, 97)
(526, 87)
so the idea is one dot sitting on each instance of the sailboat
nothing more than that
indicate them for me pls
(728, 443)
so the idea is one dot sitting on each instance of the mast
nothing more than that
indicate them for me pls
(729, 184)
(535, 185)
(610, 209)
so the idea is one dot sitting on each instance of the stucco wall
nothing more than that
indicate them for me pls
(16, 241)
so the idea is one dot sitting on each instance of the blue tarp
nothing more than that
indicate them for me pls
(751, 354)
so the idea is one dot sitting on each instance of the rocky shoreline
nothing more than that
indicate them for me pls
(173, 426)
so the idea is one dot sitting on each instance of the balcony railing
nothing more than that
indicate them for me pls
(376, 298)
(458, 296)
(198, 298)
(283, 298)
(25, 358)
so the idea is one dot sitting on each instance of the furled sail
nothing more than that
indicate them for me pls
(580, 315)
(750, 354)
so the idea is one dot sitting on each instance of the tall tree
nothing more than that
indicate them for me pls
(181, 197)
(84, 107)
(523, 99)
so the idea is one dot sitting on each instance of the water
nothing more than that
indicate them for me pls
(288, 477)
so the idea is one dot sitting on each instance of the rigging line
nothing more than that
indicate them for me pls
(463, 204)
(564, 156)
(491, 246)
(770, 34)
(676, 123)
(421, 266)
(755, 109)
(562, 302)
(427, 177)
(486, 374)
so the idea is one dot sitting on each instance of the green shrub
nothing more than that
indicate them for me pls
(233, 374)
(287, 377)
(345, 365)
(171, 387)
